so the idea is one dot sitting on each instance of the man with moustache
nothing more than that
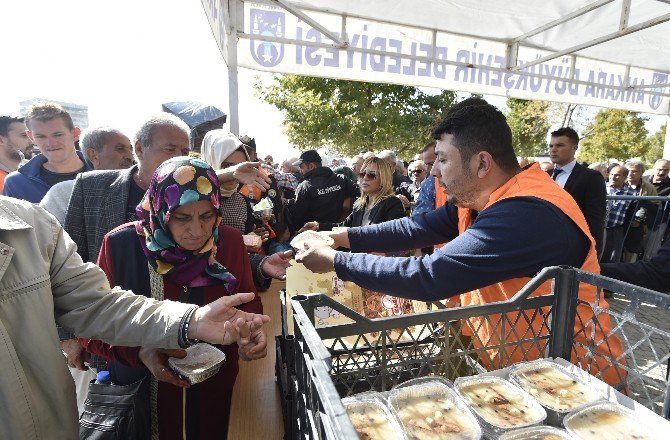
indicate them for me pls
(51, 129)
(106, 149)
(502, 225)
(14, 143)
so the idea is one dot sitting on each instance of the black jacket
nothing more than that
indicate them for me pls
(320, 198)
(587, 187)
(653, 274)
(390, 208)
(662, 188)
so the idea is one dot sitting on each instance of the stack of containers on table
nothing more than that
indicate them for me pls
(319, 367)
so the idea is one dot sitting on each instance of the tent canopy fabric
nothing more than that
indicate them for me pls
(608, 53)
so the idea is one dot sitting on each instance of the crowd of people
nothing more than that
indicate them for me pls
(207, 226)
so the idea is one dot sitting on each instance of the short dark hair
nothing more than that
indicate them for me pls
(428, 146)
(568, 132)
(478, 126)
(6, 121)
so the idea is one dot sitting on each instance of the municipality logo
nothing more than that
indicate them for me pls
(655, 100)
(269, 24)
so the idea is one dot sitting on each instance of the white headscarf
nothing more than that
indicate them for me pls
(217, 146)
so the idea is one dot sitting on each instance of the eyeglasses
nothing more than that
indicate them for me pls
(415, 171)
(370, 175)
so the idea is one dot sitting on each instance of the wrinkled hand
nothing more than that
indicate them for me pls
(318, 259)
(215, 323)
(252, 344)
(156, 360)
(75, 353)
(276, 264)
(248, 174)
(309, 226)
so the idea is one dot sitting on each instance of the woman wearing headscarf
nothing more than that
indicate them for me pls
(377, 203)
(222, 149)
(179, 250)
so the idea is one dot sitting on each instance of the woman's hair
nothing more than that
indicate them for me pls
(385, 174)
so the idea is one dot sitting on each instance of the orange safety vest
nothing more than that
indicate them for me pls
(440, 200)
(534, 182)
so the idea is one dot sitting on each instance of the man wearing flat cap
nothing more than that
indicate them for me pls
(320, 196)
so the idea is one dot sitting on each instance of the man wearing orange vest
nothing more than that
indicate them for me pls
(502, 225)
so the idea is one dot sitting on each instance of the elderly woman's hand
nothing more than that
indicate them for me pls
(156, 360)
(246, 173)
(275, 265)
(216, 322)
(252, 344)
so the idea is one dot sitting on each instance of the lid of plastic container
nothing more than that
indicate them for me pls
(103, 376)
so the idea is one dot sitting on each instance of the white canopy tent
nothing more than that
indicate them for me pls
(609, 53)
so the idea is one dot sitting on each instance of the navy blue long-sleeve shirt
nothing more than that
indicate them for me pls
(514, 237)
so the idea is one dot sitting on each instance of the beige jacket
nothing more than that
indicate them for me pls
(42, 277)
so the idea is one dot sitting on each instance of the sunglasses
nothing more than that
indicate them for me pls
(416, 171)
(370, 175)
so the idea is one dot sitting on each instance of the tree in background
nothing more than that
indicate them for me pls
(655, 146)
(614, 134)
(529, 122)
(351, 117)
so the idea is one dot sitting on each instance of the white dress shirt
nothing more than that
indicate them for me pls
(567, 169)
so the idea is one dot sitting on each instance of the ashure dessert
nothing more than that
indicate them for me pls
(553, 387)
(500, 403)
(428, 412)
(612, 422)
(371, 421)
(313, 237)
(536, 433)
(202, 361)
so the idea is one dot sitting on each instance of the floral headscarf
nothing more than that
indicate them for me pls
(177, 182)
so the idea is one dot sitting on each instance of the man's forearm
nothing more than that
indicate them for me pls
(406, 233)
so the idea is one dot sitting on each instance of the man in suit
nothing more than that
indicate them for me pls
(586, 186)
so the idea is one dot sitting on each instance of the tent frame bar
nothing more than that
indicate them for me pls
(578, 13)
(339, 43)
(243, 35)
(614, 35)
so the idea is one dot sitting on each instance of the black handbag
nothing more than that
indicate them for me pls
(117, 411)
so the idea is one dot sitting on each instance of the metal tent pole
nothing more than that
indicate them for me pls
(231, 53)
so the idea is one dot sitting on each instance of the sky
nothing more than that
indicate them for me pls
(124, 58)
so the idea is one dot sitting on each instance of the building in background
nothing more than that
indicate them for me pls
(78, 112)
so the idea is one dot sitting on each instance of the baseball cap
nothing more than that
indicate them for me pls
(310, 156)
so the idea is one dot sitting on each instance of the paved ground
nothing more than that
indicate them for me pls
(648, 334)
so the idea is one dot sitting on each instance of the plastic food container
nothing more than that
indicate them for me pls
(500, 405)
(425, 379)
(371, 418)
(536, 433)
(607, 420)
(252, 240)
(202, 361)
(430, 410)
(554, 387)
(314, 237)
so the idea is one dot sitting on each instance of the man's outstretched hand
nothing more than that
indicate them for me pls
(219, 322)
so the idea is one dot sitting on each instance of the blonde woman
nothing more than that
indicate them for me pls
(377, 203)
